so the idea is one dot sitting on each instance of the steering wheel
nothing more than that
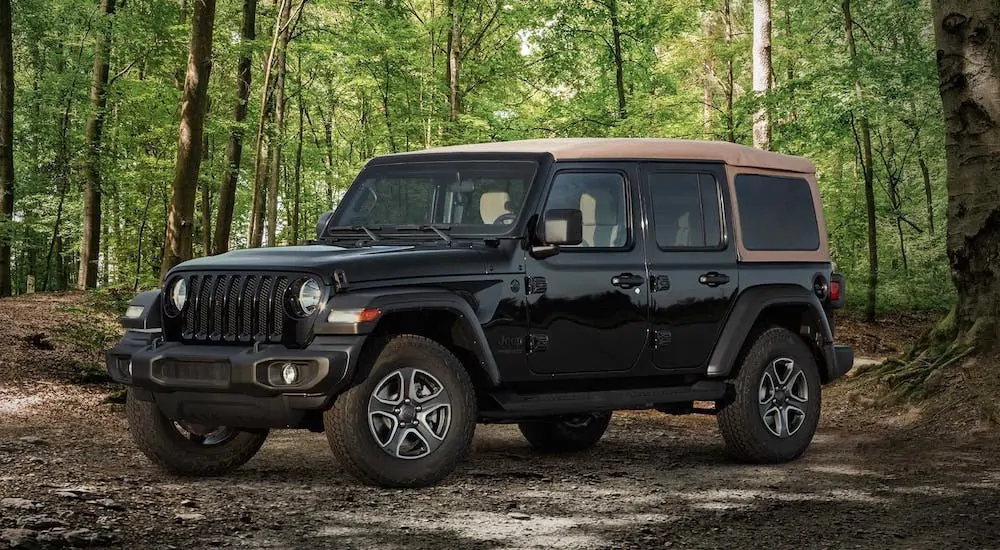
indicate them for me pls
(505, 219)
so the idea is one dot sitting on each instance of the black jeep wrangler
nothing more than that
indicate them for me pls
(542, 282)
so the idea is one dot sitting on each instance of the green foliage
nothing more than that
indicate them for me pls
(376, 75)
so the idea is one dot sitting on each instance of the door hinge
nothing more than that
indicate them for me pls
(538, 342)
(536, 285)
(661, 283)
(662, 338)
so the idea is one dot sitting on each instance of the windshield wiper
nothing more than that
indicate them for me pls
(370, 231)
(435, 228)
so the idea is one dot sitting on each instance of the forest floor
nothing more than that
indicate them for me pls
(873, 477)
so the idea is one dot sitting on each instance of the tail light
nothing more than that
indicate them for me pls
(835, 293)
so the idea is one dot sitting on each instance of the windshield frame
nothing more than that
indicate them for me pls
(421, 162)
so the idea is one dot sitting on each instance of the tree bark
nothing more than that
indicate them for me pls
(284, 19)
(297, 199)
(967, 34)
(761, 71)
(454, 68)
(234, 151)
(6, 142)
(867, 165)
(90, 244)
(616, 41)
(189, 144)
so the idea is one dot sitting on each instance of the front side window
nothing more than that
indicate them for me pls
(686, 210)
(600, 197)
(477, 198)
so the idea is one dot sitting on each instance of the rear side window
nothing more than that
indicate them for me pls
(776, 213)
(686, 210)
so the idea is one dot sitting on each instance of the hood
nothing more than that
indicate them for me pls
(359, 264)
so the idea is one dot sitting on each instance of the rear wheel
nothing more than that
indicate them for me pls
(776, 406)
(574, 433)
(410, 422)
(186, 448)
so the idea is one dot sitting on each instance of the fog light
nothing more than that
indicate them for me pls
(290, 374)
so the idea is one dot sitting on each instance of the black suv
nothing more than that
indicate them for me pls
(541, 282)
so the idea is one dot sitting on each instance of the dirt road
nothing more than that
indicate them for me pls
(68, 472)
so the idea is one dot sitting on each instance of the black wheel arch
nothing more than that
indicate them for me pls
(792, 306)
(436, 313)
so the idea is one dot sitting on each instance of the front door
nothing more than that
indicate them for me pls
(691, 261)
(587, 305)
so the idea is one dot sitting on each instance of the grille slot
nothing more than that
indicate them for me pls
(233, 308)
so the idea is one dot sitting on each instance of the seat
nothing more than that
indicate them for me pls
(492, 205)
(683, 236)
(601, 224)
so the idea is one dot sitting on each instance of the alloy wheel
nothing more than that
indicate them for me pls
(409, 413)
(782, 396)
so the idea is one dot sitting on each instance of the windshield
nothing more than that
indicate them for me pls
(471, 197)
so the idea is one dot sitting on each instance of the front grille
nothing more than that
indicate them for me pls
(235, 307)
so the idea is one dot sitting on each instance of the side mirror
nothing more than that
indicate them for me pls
(324, 221)
(562, 227)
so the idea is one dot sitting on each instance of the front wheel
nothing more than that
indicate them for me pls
(186, 448)
(566, 434)
(775, 409)
(410, 422)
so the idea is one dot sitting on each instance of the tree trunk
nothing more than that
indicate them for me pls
(189, 145)
(330, 160)
(234, 151)
(90, 244)
(967, 33)
(297, 199)
(927, 192)
(727, 15)
(454, 63)
(866, 164)
(616, 41)
(279, 122)
(761, 71)
(6, 142)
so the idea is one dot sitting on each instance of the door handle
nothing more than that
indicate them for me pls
(627, 280)
(713, 279)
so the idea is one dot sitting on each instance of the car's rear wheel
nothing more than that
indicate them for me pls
(410, 422)
(188, 448)
(566, 434)
(776, 404)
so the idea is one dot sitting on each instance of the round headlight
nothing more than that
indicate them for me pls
(309, 296)
(178, 294)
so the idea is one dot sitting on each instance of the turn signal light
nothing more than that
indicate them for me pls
(353, 316)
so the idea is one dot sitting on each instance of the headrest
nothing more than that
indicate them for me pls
(493, 204)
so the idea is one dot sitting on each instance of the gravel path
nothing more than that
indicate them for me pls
(70, 475)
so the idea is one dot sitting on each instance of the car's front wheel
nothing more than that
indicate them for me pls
(775, 408)
(186, 448)
(574, 433)
(410, 422)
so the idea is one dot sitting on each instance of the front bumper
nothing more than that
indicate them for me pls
(234, 385)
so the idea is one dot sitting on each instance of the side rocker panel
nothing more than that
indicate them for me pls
(749, 305)
(397, 300)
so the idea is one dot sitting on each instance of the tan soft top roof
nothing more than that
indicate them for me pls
(637, 148)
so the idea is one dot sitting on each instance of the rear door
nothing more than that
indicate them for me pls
(692, 263)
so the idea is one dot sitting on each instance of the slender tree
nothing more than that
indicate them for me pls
(234, 151)
(761, 70)
(867, 164)
(284, 21)
(6, 143)
(189, 145)
(968, 57)
(90, 245)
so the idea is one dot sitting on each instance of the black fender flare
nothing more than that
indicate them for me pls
(150, 320)
(410, 299)
(745, 312)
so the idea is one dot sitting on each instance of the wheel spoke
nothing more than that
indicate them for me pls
(391, 390)
(773, 420)
(766, 392)
(783, 369)
(430, 439)
(797, 388)
(395, 442)
(794, 417)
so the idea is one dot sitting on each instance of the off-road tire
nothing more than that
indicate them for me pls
(159, 440)
(561, 435)
(350, 436)
(743, 429)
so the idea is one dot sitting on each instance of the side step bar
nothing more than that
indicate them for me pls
(515, 405)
